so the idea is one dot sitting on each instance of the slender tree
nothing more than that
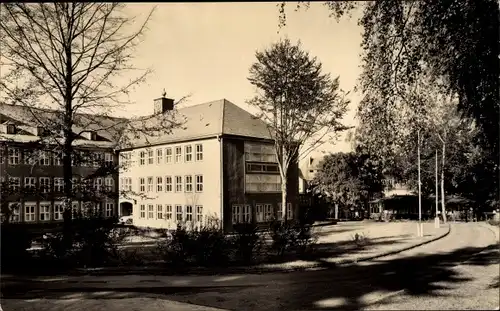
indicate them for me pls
(68, 57)
(301, 105)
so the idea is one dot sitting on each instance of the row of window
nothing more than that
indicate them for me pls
(165, 183)
(262, 183)
(263, 212)
(18, 156)
(47, 211)
(45, 184)
(165, 212)
(165, 155)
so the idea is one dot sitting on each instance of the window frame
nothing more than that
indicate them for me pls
(199, 184)
(198, 152)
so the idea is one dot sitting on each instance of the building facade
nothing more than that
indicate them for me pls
(220, 165)
(31, 173)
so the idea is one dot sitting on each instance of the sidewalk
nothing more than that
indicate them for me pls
(385, 238)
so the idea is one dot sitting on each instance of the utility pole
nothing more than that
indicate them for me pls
(436, 220)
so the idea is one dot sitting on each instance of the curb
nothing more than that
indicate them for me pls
(495, 232)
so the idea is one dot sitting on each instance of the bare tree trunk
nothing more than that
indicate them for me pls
(437, 192)
(284, 185)
(443, 207)
(420, 233)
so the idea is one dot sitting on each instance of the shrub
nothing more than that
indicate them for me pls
(304, 238)
(246, 242)
(283, 235)
(15, 241)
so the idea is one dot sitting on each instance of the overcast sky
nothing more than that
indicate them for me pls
(206, 49)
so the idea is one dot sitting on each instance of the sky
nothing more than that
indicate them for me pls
(206, 50)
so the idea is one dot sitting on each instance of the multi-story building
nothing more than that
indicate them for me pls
(32, 173)
(220, 164)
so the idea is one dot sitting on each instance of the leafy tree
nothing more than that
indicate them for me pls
(349, 179)
(300, 104)
(67, 56)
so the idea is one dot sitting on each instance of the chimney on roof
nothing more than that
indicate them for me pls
(163, 104)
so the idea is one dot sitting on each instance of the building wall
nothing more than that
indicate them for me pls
(53, 170)
(209, 167)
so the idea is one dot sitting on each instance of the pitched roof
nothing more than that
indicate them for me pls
(108, 128)
(220, 117)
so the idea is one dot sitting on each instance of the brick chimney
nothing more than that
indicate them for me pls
(163, 104)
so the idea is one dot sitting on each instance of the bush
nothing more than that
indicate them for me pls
(15, 241)
(304, 238)
(283, 235)
(246, 242)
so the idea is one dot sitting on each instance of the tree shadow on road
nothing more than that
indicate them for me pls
(344, 288)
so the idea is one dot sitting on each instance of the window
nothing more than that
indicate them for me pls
(44, 183)
(159, 156)
(259, 168)
(268, 212)
(159, 211)
(150, 184)
(142, 185)
(159, 184)
(108, 158)
(98, 184)
(168, 212)
(44, 211)
(151, 159)
(75, 208)
(15, 183)
(188, 150)
(126, 183)
(143, 211)
(142, 157)
(109, 183)
(199, 213)
(151, 211)
(178, 183)
(168, 155)
(1, 155)
(262, 183)
(189, 213)
(58, 211)
(168, 183)
(11, 129)
(29, 212)
(199, 152)
(259, 213)
(260, 152)
(236, 212)
(109, 209)
(14, 207)
(199, 183)
(59, 185)
(289, 211)
(189, 183)
(125, 158)
(29, 183)
(58, 159)
(74, 183)
(98, 159)
(247, 214)
(178, 212)
(178, 154)
(29, 157)
(14, 156)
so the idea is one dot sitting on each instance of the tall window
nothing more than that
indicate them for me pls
(188, 150)
(108, 158)
(15, 208)
(189, 213)
(159, 156)
(168, 212)
(178, 154)
(75, 208)
(178, 183)
(44, 183)
(44, 158)
(142, 158)
(2, 156)
(44, 211)
(159, 184)
(29, 212)
(159, 211)
(125, 157)
(260, 152)
(236, 212)
(151, 211)
(150, 184)
(259, 213)
(168, 183)
(168, 155)
(189, 183)
(199, 152)
(127, 181)
(59, 185)
(74, 183)
(268, 212)
(29, 157)
(143, 211)
(247, 213)
(109, 183)
(262, 183)
(58, 211)
(142, 185)
(14, 156)
(29, 183)
(289, 211)
(151, 156)
(199, 183)
(98, 183)
(15, 183)
(178, 212)
(58, 159)
(199, 213)
(98, 159)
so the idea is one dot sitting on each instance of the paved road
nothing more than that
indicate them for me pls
(429, 273)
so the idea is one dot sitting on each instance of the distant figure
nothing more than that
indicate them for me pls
(356, 215)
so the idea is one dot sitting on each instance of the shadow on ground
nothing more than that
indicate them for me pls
(345, 288)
